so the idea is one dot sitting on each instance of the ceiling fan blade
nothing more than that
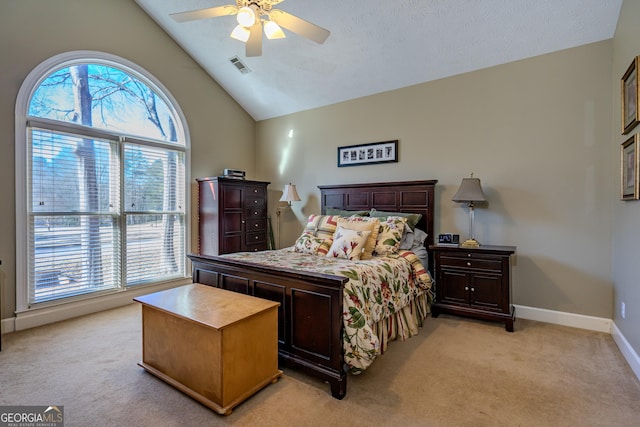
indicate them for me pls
(254, 43)
(299, 26)
(210, 12)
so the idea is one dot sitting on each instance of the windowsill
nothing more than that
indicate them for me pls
(45, 314)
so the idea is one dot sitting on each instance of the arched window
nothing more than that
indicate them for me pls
(104, 180)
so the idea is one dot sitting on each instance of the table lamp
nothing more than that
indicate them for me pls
(470, 192)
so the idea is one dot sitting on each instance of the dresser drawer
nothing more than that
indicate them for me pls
(254, 196)
(254, 202)
(256, 212)
(255, 238)
(255, 247)
(256, 225)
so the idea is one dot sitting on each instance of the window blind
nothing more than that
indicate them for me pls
(73, 236)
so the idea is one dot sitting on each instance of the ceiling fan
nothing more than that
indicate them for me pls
(252, 16)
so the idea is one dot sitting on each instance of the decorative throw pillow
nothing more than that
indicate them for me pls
(307, 243)
(321, 225)
(363, 224)
(348, 243)
(390, 235)
(412, 218)
(323, 249)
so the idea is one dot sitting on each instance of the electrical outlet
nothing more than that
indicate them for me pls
(622, 310)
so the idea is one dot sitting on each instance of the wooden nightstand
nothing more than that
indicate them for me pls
(474, 282)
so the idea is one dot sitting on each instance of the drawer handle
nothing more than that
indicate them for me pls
(469, 264)
(256, 225)
(469, 255)
(255, 213)
(255, 190)
(255, 202)
(256, 237)
(466, 288)
(473, 289)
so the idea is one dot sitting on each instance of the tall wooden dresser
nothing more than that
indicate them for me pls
(232, 215)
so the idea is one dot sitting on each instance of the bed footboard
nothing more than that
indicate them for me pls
(310, 318)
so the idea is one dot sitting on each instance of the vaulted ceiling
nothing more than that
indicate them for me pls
(377, 46)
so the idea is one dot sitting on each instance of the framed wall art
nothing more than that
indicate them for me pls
(629, 94)
(629, 169)
(366, 154)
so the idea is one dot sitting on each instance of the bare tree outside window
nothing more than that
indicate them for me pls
(107, 196)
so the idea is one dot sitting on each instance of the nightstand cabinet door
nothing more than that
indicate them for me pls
(474, 282)
(485, 292)
(452, 287)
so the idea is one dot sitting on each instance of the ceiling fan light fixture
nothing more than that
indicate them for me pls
(246, 16)
(240, 33)
(273, 30)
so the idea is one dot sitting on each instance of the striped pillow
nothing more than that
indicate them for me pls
(322, 226)
(418, 268)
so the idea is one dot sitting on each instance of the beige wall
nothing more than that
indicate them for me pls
(31, 31)
(626, 215)
(540, 133)
(537, 133)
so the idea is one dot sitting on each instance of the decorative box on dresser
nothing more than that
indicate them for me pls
(232, 215)
(474, 282)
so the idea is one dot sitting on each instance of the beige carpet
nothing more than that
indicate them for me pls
(456, 372)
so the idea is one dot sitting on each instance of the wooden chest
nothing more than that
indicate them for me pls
(217, 346)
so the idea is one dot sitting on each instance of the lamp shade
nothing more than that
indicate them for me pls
(273, 30)
(470, 191)
(240, 33)
(246, 16)
(290, 194)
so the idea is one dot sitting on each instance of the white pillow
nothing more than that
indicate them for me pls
(407, 238)
(419, 237)
(348, 244)
(418, 247)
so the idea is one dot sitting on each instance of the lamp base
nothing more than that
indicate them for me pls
(470, 243)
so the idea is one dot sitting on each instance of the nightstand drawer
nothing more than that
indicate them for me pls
(471, 263)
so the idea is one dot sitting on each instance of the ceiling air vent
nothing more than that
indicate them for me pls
(239, 65)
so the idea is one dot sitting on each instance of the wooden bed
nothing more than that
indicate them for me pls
(310, 316)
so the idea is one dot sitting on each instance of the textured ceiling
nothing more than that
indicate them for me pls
(377, 46)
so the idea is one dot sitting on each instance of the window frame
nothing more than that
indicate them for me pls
(22, 120)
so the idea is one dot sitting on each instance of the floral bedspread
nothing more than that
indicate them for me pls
(377, 288)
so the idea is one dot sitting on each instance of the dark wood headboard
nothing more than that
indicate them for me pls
(406, 196)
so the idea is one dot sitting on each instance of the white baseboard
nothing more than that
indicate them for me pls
(44, 316)
(7, 325)
(591, 323)
(627, 351)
